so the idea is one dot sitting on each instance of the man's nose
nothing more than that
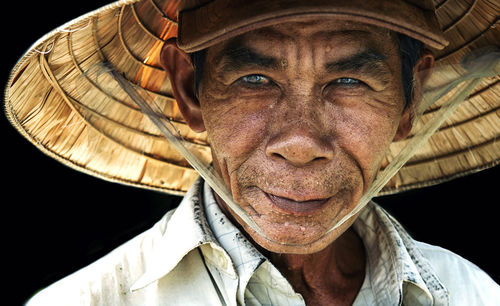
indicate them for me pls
(300, 147)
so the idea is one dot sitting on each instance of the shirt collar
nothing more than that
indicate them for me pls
(245, 257)
(186, 230)
(397, 270)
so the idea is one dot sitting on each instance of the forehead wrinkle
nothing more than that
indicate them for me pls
(274, 33)
(237, 54)
(277, 41)
(341, 35)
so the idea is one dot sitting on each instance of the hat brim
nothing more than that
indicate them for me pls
(201, 27)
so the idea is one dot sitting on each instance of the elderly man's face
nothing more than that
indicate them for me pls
(299, 117)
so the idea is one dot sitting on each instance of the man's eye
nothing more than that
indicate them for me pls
(255, 79)
(347, 81)
(347, 86)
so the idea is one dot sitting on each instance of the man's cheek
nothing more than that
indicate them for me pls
(365, 137)
(236, 134)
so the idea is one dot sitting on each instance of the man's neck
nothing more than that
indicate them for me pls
(332, 276)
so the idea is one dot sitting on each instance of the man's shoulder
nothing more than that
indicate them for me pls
(466, 282)
(109, 276)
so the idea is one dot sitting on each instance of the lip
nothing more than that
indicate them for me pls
(290, 206)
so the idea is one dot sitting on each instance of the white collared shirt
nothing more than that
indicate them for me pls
(195, 256)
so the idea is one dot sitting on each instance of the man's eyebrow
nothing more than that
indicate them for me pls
(236, 57)
(368, 59)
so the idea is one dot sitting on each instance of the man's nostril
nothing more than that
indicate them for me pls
(299, 148)
(278, 156)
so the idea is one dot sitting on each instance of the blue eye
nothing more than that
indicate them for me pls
(255, 79)
(347, 81)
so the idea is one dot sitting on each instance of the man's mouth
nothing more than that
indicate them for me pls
(296, 207)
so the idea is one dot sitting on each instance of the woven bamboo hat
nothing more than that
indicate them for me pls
(74, 116)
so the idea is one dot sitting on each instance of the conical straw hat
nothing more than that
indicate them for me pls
(70, 115)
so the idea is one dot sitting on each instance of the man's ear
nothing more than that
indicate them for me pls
(180, 71)
(421, 73)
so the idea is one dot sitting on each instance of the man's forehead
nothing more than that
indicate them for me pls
(326, 32)
(318, 27)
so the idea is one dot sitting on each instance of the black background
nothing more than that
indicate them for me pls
(57, 220)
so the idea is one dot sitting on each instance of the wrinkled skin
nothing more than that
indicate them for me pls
(299, 117)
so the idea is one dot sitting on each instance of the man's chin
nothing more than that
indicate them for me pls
(296, 239)
(284, 228)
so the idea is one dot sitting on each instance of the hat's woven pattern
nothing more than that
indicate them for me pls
(468, 141)
(69, 109)
(58, 98)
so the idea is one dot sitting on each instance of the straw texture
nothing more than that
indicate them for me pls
(467, 141)
(59, 99)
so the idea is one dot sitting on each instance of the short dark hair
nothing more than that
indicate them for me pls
(410, 51)
(198, 61)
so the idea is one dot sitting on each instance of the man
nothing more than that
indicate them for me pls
(299, 113)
